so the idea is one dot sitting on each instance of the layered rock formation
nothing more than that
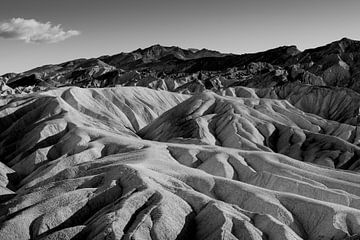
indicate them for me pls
(184, 144)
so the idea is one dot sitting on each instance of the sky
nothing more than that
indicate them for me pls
(38, 32)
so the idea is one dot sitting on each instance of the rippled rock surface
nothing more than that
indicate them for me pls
(131, 162)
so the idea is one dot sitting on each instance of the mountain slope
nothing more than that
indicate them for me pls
(334, 65)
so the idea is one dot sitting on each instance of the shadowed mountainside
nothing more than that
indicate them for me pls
(336, 64)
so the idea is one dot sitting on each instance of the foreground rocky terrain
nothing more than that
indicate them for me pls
(167, 143)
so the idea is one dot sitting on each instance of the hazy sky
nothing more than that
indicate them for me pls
(91, 28)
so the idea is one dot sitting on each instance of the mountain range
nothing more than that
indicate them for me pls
(172, 143)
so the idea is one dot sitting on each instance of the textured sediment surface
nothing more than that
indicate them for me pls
(136, 163)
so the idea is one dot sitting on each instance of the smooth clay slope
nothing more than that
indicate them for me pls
(135, 163)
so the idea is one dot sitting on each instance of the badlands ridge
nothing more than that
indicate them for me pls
(168, 143)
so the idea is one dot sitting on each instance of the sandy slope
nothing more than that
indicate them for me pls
(135, 163)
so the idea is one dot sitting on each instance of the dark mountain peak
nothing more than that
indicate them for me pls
(346, 40)
(152, 47)
(341, 46)
(347, 44)
(155, 53)
(289, 49)
(175, 49)
(156, 48)
(292, 50)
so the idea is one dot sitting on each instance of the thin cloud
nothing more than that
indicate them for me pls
(32, 31)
